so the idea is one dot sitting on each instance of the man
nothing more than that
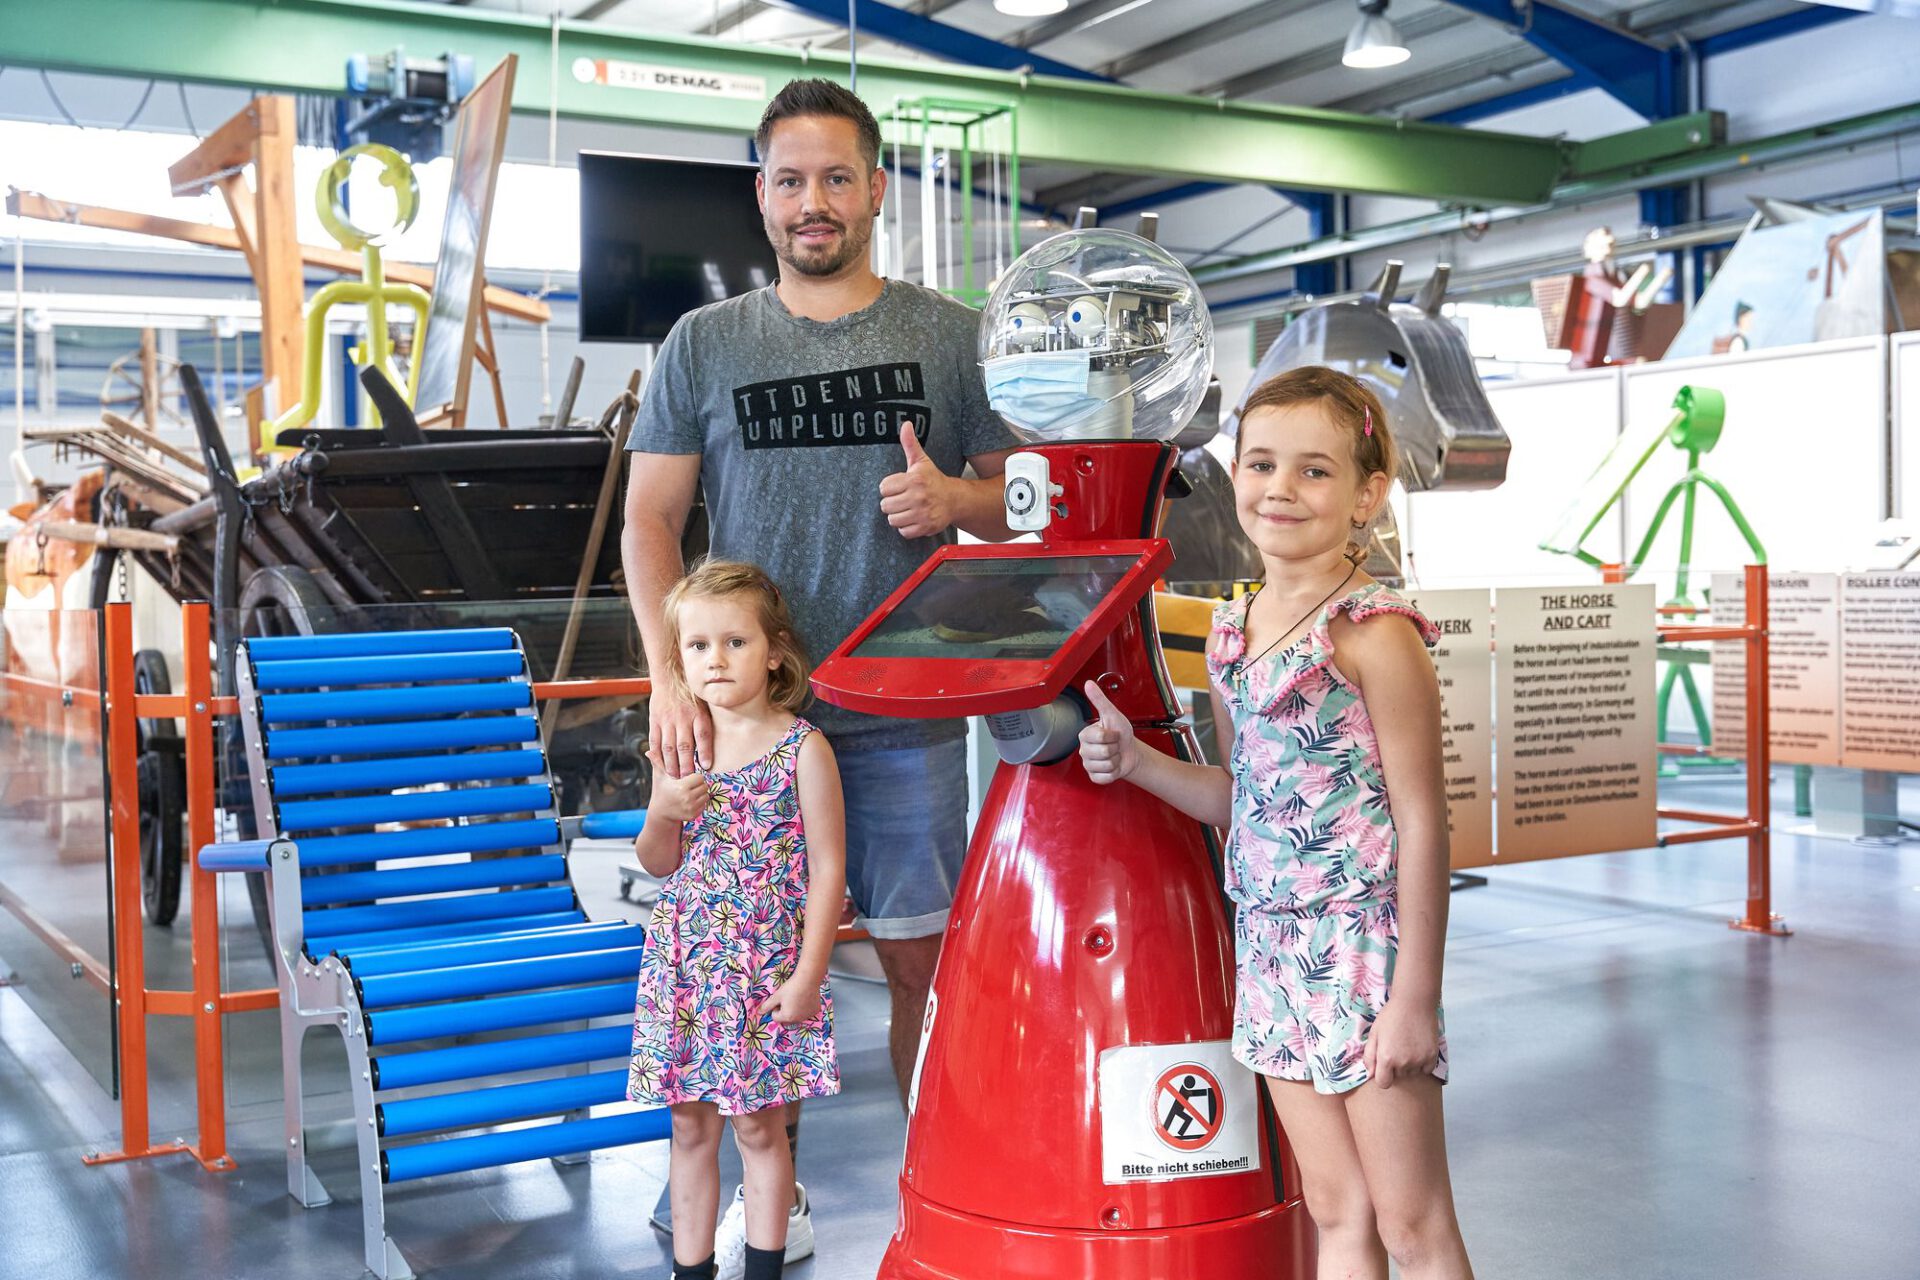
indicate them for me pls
(827, 418)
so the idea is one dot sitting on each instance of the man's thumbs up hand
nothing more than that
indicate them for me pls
(1107, 746)
(917, 501)
(910, 445)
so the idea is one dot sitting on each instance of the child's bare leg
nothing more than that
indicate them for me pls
(766, 1165)
(693, 1179)
(1332, 1180)
(1401, 1135)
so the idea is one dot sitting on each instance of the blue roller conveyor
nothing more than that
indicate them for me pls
(429, 700)
(444, 955)
(470, 1017)
(363, 643)
(407, 915)
(502, 1102)
(474, 837)
(452, 1155)
(364, 811)
(436, 1066)
(405, 771)
(400, 735)
(325, 943)
(439, 877)
(386, 990)
(406, 668)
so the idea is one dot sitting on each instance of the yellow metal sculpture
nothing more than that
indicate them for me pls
(371, 290)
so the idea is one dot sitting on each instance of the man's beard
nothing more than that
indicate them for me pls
(854, 239)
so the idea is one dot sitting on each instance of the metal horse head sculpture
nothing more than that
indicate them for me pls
(1419, 365)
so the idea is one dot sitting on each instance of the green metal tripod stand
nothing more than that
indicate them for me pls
(1699, 413)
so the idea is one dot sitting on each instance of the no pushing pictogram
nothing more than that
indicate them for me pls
(1188, 1106)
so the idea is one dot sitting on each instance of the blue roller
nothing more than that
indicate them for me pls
(496, 1013)
(502, 1102)
(421, 735)
(364, 811)
(235, 855)
(511, 946)
(617, 824)
(475, 837)
(385, 990)
(462, 1062)
(405, 771)
(322, 943)
(388, 668)
(410, 915)
(454, 1155)
(362, 643)
(439, 877)
(429, 700)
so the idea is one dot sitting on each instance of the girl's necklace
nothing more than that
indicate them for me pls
(1303, 617)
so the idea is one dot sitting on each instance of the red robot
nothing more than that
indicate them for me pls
(1075, 1110)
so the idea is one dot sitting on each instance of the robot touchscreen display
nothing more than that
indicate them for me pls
(998, 608)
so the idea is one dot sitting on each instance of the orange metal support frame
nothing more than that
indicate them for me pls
(1756, 823)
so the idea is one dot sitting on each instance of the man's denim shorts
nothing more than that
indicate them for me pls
(906, 835)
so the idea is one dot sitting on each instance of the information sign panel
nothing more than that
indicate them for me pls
(1803, 664)
(1574, 678)
(1880, 671)
(1464, 662)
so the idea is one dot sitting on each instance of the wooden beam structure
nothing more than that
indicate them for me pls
(32, 204)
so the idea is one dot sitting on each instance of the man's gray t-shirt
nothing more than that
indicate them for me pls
(796, 422)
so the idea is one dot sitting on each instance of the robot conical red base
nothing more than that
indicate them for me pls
(1089, 918)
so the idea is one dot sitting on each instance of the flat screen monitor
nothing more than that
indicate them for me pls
(996, 609)
(986, 628)
(660, 237)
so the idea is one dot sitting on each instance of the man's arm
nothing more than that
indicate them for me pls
(982, 512)
(660, 490)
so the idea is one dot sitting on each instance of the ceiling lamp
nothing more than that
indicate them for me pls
(1030, 8)
(1374, 40)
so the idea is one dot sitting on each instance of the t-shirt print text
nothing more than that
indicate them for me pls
(868, 405)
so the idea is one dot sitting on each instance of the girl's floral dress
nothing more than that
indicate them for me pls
(725, 933)
(1311, 857)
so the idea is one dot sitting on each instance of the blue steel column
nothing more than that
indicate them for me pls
(1316, 278)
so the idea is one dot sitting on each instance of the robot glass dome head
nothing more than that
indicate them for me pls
(1096, 334)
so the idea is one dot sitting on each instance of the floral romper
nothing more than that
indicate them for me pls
(725, 933)
(1311, 857)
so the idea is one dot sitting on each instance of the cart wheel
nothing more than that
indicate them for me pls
(280, 600)
(285, 600)
(162, 784)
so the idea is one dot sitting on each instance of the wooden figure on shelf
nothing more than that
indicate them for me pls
(1609, 309)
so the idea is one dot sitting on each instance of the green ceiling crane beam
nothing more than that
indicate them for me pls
(302, 46)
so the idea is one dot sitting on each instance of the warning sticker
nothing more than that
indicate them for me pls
(1176, 1111)
(1186, 1106)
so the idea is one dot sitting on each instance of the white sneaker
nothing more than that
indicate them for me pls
(730, 1240)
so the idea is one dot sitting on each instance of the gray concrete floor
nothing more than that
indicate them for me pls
(1638, 1092)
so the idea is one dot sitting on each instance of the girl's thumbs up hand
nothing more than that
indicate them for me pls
(1107, 746)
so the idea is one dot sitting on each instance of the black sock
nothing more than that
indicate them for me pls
(765, 1264)
(695, 1270)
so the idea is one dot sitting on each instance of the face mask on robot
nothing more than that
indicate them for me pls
(1042, 381)
(1087, 330)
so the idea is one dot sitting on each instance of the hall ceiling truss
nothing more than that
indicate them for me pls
(300, 46)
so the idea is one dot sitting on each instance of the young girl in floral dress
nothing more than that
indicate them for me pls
(733, 1017)
(1329, 713)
